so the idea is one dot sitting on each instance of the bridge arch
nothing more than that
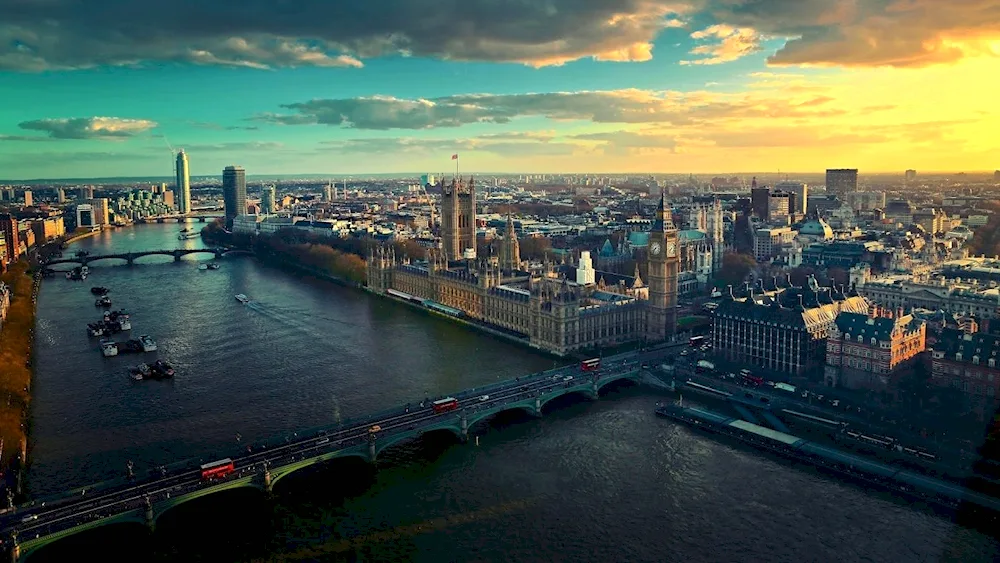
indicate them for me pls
(160, 509)
(282, 472)
(634, 378)
(402, 437)
(67, 538)
(485, 416)
(585, 392)
(90, 261)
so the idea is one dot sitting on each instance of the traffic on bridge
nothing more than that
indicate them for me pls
(35, 521)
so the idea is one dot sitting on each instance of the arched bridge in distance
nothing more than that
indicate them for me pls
(131, 257)
(31, 527)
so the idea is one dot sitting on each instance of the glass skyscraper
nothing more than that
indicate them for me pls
(234, 192)
(183, 193)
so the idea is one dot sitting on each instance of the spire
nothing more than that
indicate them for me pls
(638, 281)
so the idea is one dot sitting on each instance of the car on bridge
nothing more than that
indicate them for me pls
(375, 429)
(484, 398)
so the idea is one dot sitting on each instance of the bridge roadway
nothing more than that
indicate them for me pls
(29, 527)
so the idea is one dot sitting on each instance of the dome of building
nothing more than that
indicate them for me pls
(817, 228)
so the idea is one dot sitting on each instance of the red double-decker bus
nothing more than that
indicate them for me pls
(592, 364)
(217, 469)
(445, 405)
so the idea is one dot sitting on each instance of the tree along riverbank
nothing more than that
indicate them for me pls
(16, 343)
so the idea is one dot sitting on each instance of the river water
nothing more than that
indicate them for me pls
(602, 481)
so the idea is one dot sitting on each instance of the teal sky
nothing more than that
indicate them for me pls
(557, 86)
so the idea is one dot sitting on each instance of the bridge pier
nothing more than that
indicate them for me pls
(371, 448)
(177, 256)
(538, 407)
(267, 480)
(15, 549)
(465, 428)
(130, 259)
(150, 516)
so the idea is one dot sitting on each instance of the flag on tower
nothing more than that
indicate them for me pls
(454, 157)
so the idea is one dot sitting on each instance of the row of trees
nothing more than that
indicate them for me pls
(986, 239)
(15, 371)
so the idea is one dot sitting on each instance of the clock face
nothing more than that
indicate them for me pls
(671, 248)
(655, 249)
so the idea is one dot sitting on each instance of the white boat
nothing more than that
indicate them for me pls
(203, 267)
(213, 266)
(148, 344)
(186, 236)
(242, 298)
(109, 348)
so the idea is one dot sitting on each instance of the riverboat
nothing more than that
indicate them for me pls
(99, 290)
(109, 348)
(147, 343)
(104, 301)
(242, 298)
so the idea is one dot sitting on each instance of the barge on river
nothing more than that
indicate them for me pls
(927, 489)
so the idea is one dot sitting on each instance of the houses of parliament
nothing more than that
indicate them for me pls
(557, 308)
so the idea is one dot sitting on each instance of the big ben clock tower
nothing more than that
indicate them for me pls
(664, 263)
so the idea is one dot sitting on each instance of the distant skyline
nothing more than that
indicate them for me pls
(108, 89)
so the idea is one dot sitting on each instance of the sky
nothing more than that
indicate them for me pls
(102, 88)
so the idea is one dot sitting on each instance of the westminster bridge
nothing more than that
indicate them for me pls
(32, 526)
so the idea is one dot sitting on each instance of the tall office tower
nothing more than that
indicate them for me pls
(8, 226)
(996, 175)
(60, 195)
(183, 190)
(328, 192)
(911, 175)
(801, 192)
(267, 200)
(234, 192)
(664, 265)
(28, 199)
(841, 181)
(759, 199)
(458, 218)
(101, 213)
(85, 192)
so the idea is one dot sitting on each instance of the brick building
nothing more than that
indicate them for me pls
(969, 363)
(869, 351)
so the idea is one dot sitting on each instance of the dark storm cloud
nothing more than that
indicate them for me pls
(47, 34)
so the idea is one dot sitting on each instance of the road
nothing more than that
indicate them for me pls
(35, 520)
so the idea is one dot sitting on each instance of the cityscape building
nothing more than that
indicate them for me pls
(870, 351)
(28, 198)
(783, 329)
(182, 190)
(801, 192)
(268, 196)
(9, 229)
(664, 264)
(841, 181)
(458, 218)
(969, 362)
(510, 250)
(234, 193)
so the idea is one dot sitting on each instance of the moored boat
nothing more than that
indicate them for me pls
(147, 343)
(99, 290)
(104, 301)
(203, 266)
(213, 266)
(109, 348)
(161, 369)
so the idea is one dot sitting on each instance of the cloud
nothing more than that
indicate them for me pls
(219, 127)
(730, 43)
(858, 33)
(507, 145)
(235, 147)
(89, 127)
(27, 138)
(67, 34)
(608, 106)
(630, 142)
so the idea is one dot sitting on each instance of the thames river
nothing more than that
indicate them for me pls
(591, 481)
